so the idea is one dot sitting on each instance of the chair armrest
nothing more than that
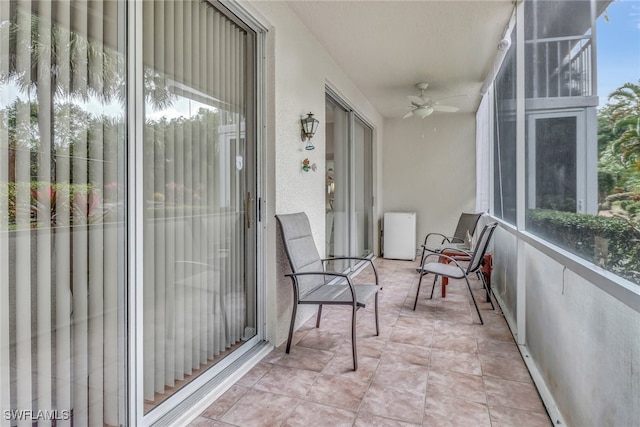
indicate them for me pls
(318, 273)
(369, 260)
(457, 251)
(444, 238)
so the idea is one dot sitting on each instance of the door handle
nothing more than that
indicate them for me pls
(248, 207)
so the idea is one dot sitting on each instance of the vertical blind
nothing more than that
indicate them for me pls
(61, 211)
(195, 186)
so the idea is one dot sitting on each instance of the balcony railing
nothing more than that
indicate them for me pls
(562, 67)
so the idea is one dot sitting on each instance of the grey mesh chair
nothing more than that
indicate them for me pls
(454, 270)
(466, 223)
(312, 284)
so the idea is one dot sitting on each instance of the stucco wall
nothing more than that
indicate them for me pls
(429, 168)
(297, 70)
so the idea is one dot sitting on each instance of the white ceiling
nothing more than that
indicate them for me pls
(386, 47)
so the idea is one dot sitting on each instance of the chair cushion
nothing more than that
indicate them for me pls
(442, 269)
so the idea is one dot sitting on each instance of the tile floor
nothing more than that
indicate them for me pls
(436, 366)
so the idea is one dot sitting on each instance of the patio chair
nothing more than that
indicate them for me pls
(450, 268)
(313, 284)
(466, 224)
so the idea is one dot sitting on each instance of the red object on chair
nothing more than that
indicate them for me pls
(487, 266)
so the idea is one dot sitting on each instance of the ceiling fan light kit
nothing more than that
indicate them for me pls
(423, 112)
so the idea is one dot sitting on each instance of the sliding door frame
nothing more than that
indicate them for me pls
(220, 375)
(352, 116)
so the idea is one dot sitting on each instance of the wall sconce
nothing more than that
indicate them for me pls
(309, 127)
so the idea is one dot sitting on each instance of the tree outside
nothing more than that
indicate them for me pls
(619, 153)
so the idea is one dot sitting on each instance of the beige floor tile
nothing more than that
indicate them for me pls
(312, 414)
(506, 368)
(342, 364)
(461, 343)
(372, 347)
(340, 391)
(513, 394)
(207, 422)
(402, 375)
(399, 404)
(322, 339)
(253, 376)
(456, 384)
(225, 402)
(442, 411)
(407, 353)
(300, 357)
(507, 417)
(435, 366)
(412, 336)
(260, 409)
(444, 359)
(415, 322)
(368, 420)
(288, 381)
(496, 348)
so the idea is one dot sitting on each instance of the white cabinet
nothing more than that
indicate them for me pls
(399, 235)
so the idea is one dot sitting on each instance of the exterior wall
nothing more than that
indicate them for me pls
(585, 343)
(297, 70)
(581, 342)
(429, 168)
(503, 277)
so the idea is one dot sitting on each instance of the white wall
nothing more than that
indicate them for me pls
(298, 68)
(428, 167)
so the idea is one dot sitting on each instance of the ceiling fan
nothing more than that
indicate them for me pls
(422, 106)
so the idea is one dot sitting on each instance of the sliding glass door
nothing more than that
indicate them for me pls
(199, 178)
(349, 187)
(62, 213)
(69, 154)
(362, 188)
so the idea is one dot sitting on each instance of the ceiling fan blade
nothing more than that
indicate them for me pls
(445, 108)
(416, 100)
(409, 114)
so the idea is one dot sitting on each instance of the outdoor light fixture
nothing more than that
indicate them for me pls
(309, 127)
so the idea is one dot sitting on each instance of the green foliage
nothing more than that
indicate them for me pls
(29, 202)
(619, 137)
(557, 203)
(633, 208)
(606, 184)
(623, 114)
(610, 242)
